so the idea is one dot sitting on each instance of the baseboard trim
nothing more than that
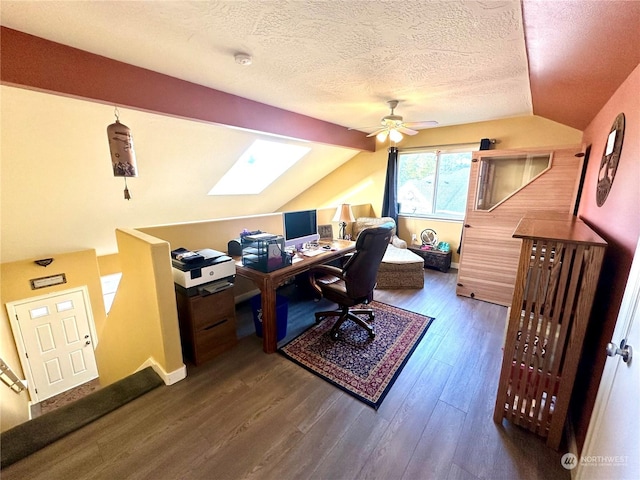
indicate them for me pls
(168, 378)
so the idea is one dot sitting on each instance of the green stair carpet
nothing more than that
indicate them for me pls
(29, 437)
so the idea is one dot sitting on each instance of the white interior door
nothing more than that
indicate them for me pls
(54, 338)
(612, 446)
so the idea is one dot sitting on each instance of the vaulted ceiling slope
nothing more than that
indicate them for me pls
(339, 61)
(579, 53)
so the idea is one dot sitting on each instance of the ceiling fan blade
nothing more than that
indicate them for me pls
(373, 134)
(406, 131)
(419, 125)
(364, 128)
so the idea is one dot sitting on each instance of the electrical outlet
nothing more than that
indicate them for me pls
(414, 238)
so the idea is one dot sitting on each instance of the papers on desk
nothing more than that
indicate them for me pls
(313, 253)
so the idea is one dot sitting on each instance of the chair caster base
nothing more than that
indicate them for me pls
(346, 314)
(335, 334)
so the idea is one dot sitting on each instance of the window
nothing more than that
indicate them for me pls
(501, 177)
(258, 166)
(434, 183)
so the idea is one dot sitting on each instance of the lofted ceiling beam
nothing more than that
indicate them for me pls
(32, 62)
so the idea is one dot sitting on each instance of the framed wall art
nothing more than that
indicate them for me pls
(325, 232)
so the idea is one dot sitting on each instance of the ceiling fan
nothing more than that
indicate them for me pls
(394, 126)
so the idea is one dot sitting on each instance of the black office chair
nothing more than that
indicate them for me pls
(353, 284)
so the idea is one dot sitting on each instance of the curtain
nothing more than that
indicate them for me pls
(390, 199)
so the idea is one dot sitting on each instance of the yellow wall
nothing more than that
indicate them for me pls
(142, 325)
(361, 180)
(80, 268)
(143, 321)
(217, 233)
(58, 192)
(109, 264)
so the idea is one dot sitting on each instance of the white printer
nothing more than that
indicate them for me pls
(193, 268)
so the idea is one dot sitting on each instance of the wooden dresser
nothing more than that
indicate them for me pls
(207, 324)
(557, 276)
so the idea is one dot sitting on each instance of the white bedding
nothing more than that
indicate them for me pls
(400, 256)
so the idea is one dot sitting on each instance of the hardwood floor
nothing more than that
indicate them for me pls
(248, 415)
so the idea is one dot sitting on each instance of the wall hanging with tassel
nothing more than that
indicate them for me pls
(123, 156)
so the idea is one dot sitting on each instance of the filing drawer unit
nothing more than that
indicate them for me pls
(207, 324)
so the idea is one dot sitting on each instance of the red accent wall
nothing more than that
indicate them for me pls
(618, 222)
(579, 53)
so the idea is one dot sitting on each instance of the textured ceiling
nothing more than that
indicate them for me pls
(339, 61)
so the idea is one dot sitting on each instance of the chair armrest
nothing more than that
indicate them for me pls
(324, 274)
(326, 270)
(398, 242)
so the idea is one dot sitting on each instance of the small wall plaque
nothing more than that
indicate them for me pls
(49, 281)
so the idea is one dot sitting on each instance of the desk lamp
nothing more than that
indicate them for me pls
(343, 215)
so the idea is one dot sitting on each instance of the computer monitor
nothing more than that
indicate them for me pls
(299, 228)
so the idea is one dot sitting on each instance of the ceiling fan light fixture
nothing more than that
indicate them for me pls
(393, 126)
(395, 136)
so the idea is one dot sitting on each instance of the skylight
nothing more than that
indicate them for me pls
(258, 167)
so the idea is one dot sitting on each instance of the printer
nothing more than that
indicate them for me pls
(199, 267)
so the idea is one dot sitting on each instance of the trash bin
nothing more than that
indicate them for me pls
(282, 308)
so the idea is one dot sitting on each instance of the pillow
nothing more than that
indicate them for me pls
(367, 222)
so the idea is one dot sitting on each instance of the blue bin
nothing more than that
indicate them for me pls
(282, 309)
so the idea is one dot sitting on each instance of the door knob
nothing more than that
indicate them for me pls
(625, 351)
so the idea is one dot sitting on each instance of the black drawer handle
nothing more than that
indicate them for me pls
(216, 324)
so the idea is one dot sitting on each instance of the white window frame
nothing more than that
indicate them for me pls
(258, 167)
(462, 148)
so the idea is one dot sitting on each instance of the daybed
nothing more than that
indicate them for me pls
(400, 267)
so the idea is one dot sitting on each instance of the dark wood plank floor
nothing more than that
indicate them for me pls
(247, 415)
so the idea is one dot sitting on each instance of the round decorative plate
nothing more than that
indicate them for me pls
(429, 237)
(610, 159)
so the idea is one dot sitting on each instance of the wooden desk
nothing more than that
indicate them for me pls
(269, 282)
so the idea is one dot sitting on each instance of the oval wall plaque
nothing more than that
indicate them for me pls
(610, 160)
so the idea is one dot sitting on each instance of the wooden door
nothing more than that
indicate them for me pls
(55, 342)
(489, 254)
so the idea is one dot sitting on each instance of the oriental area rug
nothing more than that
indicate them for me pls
(363, 367)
